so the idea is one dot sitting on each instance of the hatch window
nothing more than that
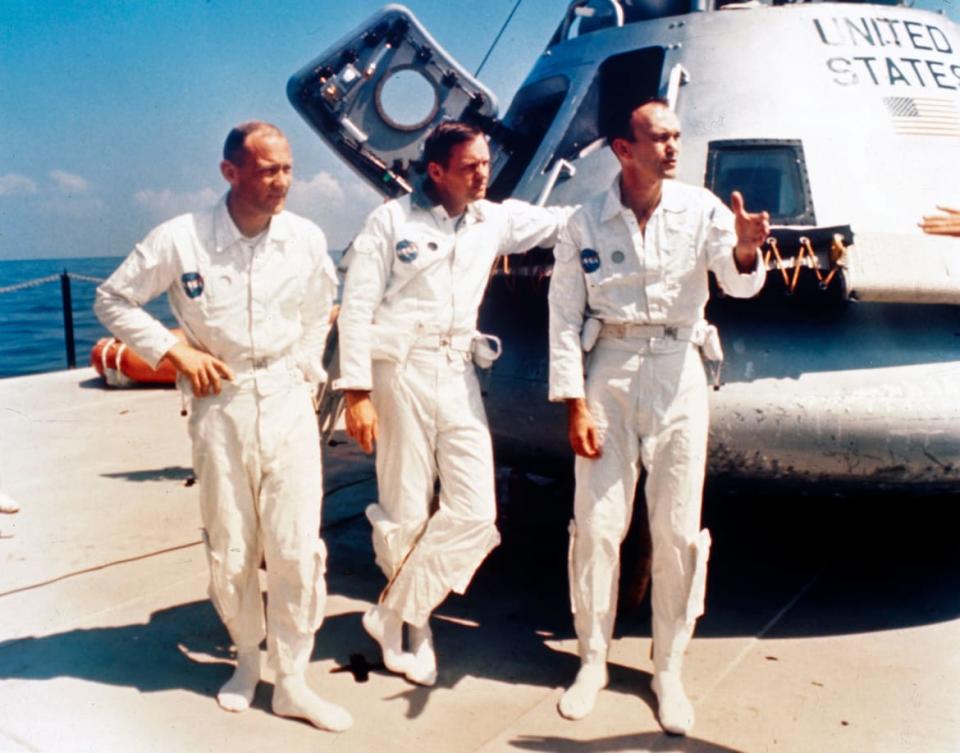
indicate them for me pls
(770, 173)
(406, 99)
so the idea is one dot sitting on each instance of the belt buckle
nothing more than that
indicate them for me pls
(260, 363)
(444, 341)
(671, 332)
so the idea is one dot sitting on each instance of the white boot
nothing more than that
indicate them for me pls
(386, 628)
(237, 693)
(579, 698)
(8, 504)
(424, 669)
(292, 697)
(674, 708)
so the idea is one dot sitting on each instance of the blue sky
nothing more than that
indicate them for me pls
(114, 112)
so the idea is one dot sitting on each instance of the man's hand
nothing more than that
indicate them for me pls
(581, 429)
(942, 224)
(203, 370)
(752, 230)
(361, 418)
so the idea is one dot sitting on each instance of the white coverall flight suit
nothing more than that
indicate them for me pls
(407, 326)
(261, 306)
(646, 390)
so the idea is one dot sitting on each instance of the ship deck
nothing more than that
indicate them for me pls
(832, 622)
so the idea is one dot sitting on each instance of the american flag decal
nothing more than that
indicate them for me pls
(923, 116)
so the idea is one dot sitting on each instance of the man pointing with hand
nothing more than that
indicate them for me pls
(629, 288)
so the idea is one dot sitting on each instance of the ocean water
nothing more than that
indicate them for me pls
(31, 320)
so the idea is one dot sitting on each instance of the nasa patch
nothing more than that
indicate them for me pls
(406, 251)
(192, 284)
(589, 260)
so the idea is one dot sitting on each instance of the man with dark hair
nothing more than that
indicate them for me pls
(234, 146)
(629, 288)
(408, 341)
(617, 120)
(442, 139)
(251, 286)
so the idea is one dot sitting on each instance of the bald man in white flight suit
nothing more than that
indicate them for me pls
(407, 341)
(629, 286)
(252, 287)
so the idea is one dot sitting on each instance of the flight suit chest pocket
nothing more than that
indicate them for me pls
(679, 245)
(225, 289)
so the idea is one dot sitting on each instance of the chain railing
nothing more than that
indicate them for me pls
(66, 296)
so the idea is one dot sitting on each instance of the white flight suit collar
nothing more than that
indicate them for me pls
(226, 233)
(472, 213)
(670, 201)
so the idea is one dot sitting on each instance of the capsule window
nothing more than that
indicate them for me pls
(770, 173)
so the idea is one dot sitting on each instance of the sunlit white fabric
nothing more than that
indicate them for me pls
(262, 305)
(415, 270)
(238, 300)
(418, 273)
(647, 396)
(608, 270)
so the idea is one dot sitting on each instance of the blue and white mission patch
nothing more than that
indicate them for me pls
(192, 284)
(406, 251)
(589, 260)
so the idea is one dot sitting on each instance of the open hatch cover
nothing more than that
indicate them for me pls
(375, 95)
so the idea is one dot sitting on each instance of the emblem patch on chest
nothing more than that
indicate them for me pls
(617, 257)
(406, 251)
(589, 260)
(192, 284)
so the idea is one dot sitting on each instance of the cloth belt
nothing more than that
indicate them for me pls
(463, 343)
(624, 330)
(246, 366)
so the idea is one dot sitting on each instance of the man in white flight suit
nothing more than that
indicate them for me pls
(252, 287)
(629, 286)
(407, 341)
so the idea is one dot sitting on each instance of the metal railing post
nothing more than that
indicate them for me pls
(68, 320)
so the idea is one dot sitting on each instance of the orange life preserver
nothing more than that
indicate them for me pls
(121, 366)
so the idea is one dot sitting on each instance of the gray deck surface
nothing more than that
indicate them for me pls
(832, 623)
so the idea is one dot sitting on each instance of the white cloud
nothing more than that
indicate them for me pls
(337, 203)
(321, 188)
(14, 184)
(70, 183)
(72, 197)
(74, 207)
(164, 204)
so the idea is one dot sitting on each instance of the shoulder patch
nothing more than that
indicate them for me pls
(406, 251)
(589, 260)
(192, 284)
